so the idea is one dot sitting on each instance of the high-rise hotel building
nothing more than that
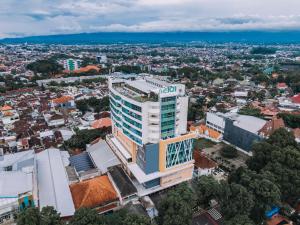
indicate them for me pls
(150, 132)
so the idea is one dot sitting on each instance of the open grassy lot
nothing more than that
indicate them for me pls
(202, 143)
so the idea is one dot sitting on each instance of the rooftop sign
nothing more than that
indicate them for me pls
(168, 90)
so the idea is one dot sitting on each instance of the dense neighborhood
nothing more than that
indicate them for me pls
(140, 134)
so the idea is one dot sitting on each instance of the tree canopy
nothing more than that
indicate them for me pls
(229, 152)
(32, 216)
(93, 104)
(176, 208)
(45, 66)
(84, 137)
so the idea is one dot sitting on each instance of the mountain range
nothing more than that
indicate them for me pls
(253, 37)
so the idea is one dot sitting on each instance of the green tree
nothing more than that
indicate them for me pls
(250, 111)
(282, 138)
(85, 216)
(45, 66)
(82, 105)
(263, 50)
(262, 186)
(229, 152)
(206, 188)
(235, 200)
(49, 216)
(261, 155)
(176, 208)
(290, 120)
(133, 219)
(239, 220)
(84, 137)
(116, 218)
(30, 216)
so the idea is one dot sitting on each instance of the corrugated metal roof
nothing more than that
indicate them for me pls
(53, 184)
(82, 162)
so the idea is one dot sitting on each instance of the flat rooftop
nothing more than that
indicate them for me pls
(143, 85)
(140, 88)
(102, 156)
(122, 181)
(53, 183)
(13, 183)
(249, 123)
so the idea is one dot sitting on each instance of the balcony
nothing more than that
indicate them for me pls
(153, 119)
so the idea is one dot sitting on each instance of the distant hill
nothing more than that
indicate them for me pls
(255, 37)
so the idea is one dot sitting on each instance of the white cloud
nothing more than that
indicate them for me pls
(34, 17)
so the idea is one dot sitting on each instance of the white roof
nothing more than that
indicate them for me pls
(47, 133)
(142, 85)
(66, 134)
(53, 183)
(11, 159)
(102, 156)
(249, 123)
(13, 183)
(162, 83)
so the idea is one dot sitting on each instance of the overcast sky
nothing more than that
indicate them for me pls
(38, 17)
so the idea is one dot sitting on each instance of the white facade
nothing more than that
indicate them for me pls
(71, 64)
(215, 121)
(149, 126)
(149, 114)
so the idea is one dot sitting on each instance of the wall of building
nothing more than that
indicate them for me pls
(148, 158)
(177, 177)
(215, 122)
(129, 145)
(239, 137)
(152, 183)
(182, 106)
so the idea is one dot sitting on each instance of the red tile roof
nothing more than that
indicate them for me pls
(62, 99)
(104, 122)
(5, 108)
(296, 98)
(201, 161)
(282, 85)
(271, 126)
(93, 192)
(202, 129)
(296, 132)
(278, 219)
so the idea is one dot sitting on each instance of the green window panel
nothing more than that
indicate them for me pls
(114, 109)
(166, 107)
(116, 97)
(168, 99)
(115, 116)
(135, 139)
(168, 119)
(132, 106)
(168, 115)
(168, 111)
(135, 131)
(171, 126)
(136, 124)
(167, 123)
(132, 114)
(167, 135)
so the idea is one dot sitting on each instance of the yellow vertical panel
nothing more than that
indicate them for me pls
(162, 156)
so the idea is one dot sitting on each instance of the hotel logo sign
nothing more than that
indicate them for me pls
(168, 90)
